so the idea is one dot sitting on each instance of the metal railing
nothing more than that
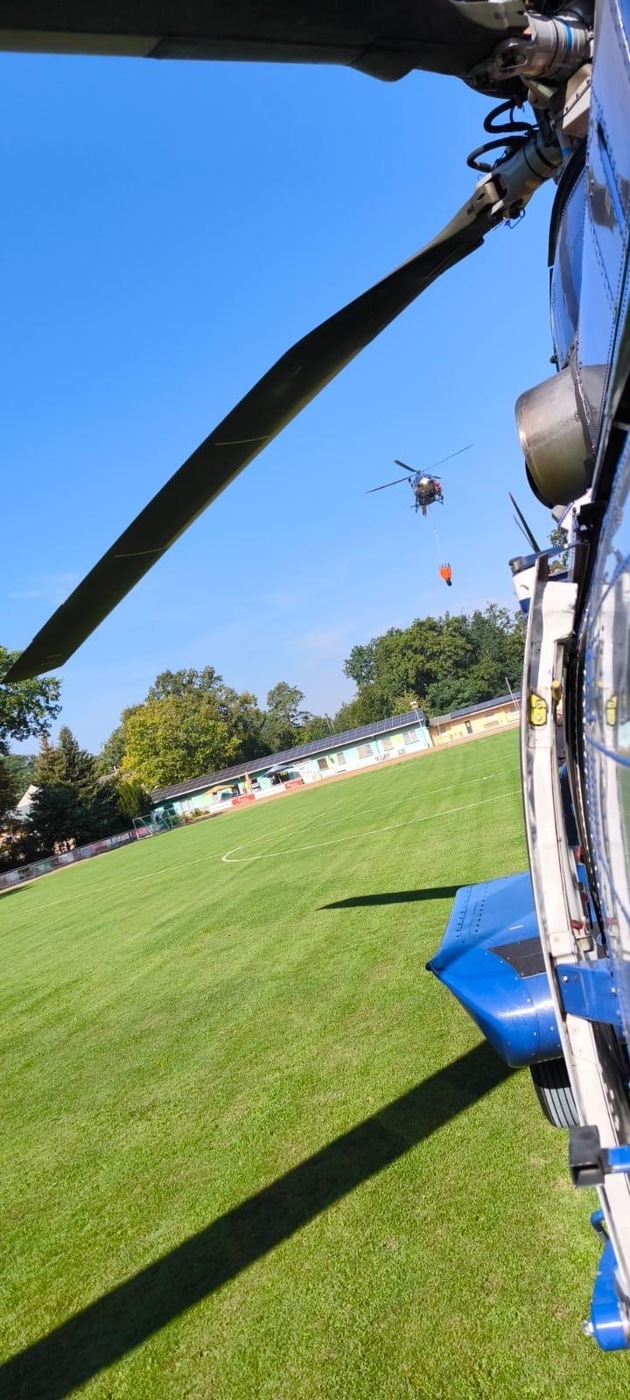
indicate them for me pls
(22, 873)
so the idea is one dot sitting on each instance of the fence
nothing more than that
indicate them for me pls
(43, 867)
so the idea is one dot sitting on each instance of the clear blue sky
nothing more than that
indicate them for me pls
(168, 230)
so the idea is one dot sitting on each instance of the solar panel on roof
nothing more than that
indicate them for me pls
(288, 756)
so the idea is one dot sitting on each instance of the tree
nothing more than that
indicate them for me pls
(278, 734)
(180, 683)
(132, 798)
(58, 818)
(106, 812)
(558, 539)
(440, 663)
(406, 702)
(65, 763)
(190, 723)
(239, 711)
(10, 790)
(21, 766)
(16, 775)
(361, 665)
(283, 720)
(178, 737)
(27, 708)
(169, 740)
(112, 752)
(284, 700)
(316, 727)
(366, 707)
(71, 805)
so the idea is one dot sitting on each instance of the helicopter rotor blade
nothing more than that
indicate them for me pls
(450, 457)
(398, 463)
(387, 483)
(274, 401)
(287, 388)
(529, 536)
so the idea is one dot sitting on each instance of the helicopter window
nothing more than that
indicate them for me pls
(607, 731)
(566, 275)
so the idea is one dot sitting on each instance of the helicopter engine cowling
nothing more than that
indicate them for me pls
(555, 445)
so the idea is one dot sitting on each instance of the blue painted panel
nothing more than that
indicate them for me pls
(488, 960)
(588, 990)
(606, 1324)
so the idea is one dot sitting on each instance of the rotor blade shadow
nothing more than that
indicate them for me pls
(359, 901)
(121, 1320)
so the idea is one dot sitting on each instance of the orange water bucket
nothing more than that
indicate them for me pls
(446, 572)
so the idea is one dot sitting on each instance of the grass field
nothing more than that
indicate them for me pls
(250, 1148)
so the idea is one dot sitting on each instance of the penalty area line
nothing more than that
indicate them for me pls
(230, 857)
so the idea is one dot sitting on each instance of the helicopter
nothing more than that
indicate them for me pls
(556, 997)
(426, 486)
(426, 489)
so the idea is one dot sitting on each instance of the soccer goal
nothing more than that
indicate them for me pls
(153, 823)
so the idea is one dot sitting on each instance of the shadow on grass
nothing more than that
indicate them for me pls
(359, 901)
(107, 1329)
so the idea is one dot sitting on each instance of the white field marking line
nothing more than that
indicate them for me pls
(186, 863)
(228, 859)
(374, 806)
(162, 869)
(351, 816)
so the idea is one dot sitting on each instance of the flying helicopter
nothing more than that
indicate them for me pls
(426, 489)
(557, 997)
(425, 485)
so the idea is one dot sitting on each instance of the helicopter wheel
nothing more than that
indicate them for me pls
(555, 1095)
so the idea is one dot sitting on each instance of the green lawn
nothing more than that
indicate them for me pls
(250, 1148)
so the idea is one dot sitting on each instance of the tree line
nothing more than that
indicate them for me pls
(191, 722)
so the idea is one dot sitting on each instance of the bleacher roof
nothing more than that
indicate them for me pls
(289, 756)
(477, 709)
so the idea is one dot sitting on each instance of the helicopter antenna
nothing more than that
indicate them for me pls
(518, 523)
(529, 536)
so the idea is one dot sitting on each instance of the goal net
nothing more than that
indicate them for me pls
(153, 823)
